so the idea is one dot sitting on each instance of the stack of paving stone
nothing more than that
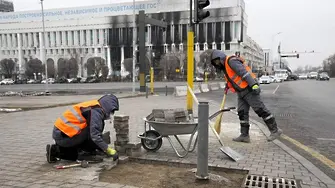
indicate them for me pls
(122, 144)
(170, 115)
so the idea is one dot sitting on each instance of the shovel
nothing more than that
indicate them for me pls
(225, 149)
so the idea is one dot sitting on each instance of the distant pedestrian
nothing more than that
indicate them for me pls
(78, 131)
(241, 80)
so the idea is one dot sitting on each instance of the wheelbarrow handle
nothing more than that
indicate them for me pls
(220, 111)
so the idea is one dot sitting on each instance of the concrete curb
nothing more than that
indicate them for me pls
(62, 104)
(303, 161)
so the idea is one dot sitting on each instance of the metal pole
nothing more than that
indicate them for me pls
(202, 154)
(43, 55)
(134, 46)
(190, 65)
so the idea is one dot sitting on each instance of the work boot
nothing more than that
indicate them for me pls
(51, 153)
(273, 128)
(89, 157)
(244, 136)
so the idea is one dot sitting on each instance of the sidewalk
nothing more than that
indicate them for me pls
(25, 134)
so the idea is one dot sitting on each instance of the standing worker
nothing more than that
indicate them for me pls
(78, 132)
(240, 79)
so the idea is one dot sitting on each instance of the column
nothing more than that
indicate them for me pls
(82, 38)
(42, 56)
(88, 37)
(232, 29)
(122, 62)
(101, 37)
(109, 62)
(20, 54)
(70, 38)
(76, 38)
(46, 39)
(58, 39)
(9, 41)
(94, 41)
(52, 38)
(95, 52)
(64, 39)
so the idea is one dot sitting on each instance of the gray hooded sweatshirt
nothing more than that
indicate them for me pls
(237, 66)
(95, 117)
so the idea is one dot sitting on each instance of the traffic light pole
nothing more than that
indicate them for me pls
(143, 20)
(190, 63)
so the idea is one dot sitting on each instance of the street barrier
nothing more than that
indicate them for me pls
(180, 91)
(196, 88)
(222, 85)
(214, 86)
(204, 88)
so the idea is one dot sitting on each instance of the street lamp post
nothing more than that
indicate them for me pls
(134, 46)
(272, 42)
(43, 47)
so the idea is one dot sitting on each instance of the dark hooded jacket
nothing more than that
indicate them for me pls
(95, 119)
(235, 64)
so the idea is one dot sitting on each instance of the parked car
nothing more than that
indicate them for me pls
(312, 75)
(323, 76)
(21, 81)
(7, 82)
(303, 77)
(31, 81)
(265, 80)
(50, 81)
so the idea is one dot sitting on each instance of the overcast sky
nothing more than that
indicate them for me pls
(305, 24)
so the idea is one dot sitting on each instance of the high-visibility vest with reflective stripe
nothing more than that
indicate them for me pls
(72, 121)
(236, 82)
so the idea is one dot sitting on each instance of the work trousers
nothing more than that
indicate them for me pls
(247, 99)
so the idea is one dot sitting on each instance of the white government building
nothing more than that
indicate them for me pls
(106, 31)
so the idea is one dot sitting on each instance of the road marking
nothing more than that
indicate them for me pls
(312, 152)
(275, 90)
(326, 139)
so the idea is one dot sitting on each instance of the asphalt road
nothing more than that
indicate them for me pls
(88, 88)
(305, 110)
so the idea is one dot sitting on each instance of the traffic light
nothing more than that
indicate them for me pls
(199, 13)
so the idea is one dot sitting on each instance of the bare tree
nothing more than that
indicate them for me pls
(97, 66)
(128, 64)
(169, 63)
(7, 67)
(71, 68)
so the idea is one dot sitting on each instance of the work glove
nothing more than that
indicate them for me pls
(256, 90)
(112, 153)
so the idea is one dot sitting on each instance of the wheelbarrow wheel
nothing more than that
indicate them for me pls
(151, 145)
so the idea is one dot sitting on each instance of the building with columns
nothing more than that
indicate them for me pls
(253, 54)
(105, 31)
(6, 6)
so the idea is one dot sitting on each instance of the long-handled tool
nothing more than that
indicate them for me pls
(217, 124)
(83, 164)
(225, 149)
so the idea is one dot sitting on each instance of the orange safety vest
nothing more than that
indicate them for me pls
(72, 121)
(234, 81)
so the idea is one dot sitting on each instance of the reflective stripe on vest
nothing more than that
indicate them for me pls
(237, 81)
(72, 122)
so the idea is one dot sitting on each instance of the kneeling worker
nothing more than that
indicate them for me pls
(241, 80)
(78, 132)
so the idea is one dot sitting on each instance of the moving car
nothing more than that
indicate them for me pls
(275, 79)
(50, 81)
(265, 80)
(7, 82)
(303, 77)
(323, 76)
(313, 75)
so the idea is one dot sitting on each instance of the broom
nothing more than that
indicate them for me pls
(217, 124)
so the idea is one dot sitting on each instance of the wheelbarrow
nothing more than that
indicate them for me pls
(151, 140)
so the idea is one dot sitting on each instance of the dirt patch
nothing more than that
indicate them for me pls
(151, 176)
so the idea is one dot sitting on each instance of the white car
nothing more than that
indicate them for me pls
(275, 79)
(50, 81)
(265, 80)
(303, 77)
(7, 82)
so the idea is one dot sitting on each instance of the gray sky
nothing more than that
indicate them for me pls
(305, 24)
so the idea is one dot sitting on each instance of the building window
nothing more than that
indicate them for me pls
(99, 50)
(227, 46)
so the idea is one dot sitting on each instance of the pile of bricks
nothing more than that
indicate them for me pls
(122, 144)
(170, 115)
